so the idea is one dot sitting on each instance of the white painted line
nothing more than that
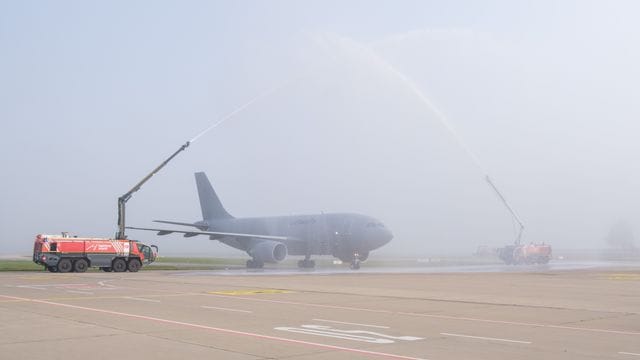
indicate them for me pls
(355, 335)
(141, 299)
(222, 330)
(628, 353)
(80, 292)
(460, 318)
(34, 287)
(487, 338)
(51, 285)
(350, 323)
(226, 309)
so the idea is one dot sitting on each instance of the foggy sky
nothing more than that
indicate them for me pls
(544, 94)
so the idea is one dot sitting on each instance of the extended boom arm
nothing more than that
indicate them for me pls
(122, 200)
(504, 201)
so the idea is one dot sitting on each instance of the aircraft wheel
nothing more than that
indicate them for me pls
(119, 265)
(64, 265)
(134, 265)
(306, 264)
(255, 264)
(81, 265)
(355, 265)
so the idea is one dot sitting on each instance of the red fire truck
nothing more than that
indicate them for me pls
(61, 253)
(525, 254)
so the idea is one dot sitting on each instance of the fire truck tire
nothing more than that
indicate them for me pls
(52, 268)
(134, 265)
(65, 265)
(119, 265)
(81, 265)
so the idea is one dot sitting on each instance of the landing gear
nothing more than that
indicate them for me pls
(306, 263)
(355, 262)
(254, 264)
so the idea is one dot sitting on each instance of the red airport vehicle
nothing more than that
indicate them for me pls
(61, 253)
(525, 254)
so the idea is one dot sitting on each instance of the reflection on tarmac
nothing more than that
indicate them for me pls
(493, 268)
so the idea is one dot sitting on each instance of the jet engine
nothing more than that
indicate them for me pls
(268, 251)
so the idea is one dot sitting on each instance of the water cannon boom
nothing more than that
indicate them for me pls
(506, 204)
(122, 200)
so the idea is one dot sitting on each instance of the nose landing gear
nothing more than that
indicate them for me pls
(355, 262)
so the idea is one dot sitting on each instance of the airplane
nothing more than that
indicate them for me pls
(348, 237)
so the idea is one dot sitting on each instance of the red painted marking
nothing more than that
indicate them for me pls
(228, 331)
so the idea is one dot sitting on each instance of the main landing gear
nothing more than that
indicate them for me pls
(307, 263)
(254, 264)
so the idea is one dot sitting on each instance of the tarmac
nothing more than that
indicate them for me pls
(543, 314)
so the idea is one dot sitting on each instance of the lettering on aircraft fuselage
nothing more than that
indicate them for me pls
(304, 221)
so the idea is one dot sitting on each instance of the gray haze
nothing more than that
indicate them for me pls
(93, 95)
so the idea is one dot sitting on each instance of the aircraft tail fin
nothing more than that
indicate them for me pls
(209, 202)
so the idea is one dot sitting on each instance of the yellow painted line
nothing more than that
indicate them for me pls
(250, 292)
(624, 277)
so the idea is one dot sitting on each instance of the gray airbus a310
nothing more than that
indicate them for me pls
(349, 237)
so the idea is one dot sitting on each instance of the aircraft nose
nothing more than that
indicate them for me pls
(381, 237)
(386, 236)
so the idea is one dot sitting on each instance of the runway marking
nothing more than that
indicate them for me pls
(250, 292)
(222, 330)
(226, 309)
(486, 338)
(460, 318)
(34, 287)
(51, 285)
(141, 299)
(80, 292)
(350, 323)
(354, 335)
(624, 277)
(628, 353)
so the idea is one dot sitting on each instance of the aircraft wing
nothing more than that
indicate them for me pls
(177, 223)
(213, 233)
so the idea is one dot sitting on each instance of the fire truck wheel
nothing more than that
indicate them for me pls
(134, 265)
(52, 269)
(119, 265)
(64, 265)
(81, 265)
